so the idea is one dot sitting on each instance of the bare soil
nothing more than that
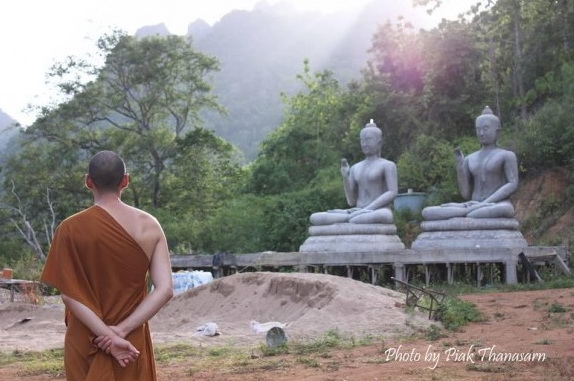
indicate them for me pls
(534, 330)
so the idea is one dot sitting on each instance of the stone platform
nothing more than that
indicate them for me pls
(346, 237)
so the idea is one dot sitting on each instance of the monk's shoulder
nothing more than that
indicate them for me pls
(76, 220)
(144, 217)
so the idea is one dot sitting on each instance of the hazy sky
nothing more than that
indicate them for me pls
(36, 33)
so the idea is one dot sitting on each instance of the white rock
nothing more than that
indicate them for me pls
(208, 329)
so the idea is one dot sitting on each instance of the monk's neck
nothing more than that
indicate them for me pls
(107, 199)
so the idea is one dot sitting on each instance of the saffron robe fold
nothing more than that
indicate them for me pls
(93, 260)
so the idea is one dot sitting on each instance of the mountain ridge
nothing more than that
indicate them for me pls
(262, 51)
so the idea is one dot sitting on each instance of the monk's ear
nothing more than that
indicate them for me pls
(88, 181)
(125, 181)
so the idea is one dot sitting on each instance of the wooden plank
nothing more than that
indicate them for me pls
(13, 285)
(414, 295)
(406, 256)
(561, 265)
(531, 270)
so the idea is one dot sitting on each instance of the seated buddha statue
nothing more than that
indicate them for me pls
(370, 185)
(486, 178)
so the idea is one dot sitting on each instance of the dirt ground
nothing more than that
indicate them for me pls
(534, 330)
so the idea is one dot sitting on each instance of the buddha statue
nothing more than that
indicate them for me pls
(370, 186)
(486, 178)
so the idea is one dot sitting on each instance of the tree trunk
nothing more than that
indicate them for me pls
(563, 12)
(157, 171)
(518, 60)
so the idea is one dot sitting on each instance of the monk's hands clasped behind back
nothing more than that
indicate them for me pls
(120, 349)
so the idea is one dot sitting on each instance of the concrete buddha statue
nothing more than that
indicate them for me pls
(370, 187)
(487, 179)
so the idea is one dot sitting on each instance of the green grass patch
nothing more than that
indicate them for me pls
(455, 313)
(550, 282)
(544, 342)
(434, 333)
(487, 367)
(331, 339)
(309, 361)
(556, 308)
(175, 352)
(34, 363)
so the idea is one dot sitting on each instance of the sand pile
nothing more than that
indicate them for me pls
(310, 305)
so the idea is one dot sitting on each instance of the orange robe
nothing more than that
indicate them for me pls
(93, 260)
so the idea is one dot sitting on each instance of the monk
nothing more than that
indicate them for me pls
(487, 177)
(370, 185)
(99, 260)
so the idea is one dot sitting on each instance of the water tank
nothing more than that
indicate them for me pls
(410, 200)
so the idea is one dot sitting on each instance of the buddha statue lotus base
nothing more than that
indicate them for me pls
(468, 233)
(348, 237)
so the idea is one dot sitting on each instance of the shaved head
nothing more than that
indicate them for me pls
(106, 170)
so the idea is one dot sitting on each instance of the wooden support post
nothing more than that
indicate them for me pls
(449, 273)
(349, 271)
(561, 265)
(531, 271)
(399, 271)
(373, 274)
(217, 265)
(478, 274)
(427, 274)
(510, 271)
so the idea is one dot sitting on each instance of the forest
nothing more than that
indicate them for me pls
(424, 88)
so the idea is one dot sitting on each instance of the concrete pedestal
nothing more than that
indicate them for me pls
(345, 237)
(471, 239)
(470, 233)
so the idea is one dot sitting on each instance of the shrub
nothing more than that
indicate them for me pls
(455, 313)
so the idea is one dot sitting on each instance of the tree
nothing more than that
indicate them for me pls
(22, 224)
(149, 92)
(525, 41)
(453, 90)
(393, 85)
(144, 103)
(316, 122)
